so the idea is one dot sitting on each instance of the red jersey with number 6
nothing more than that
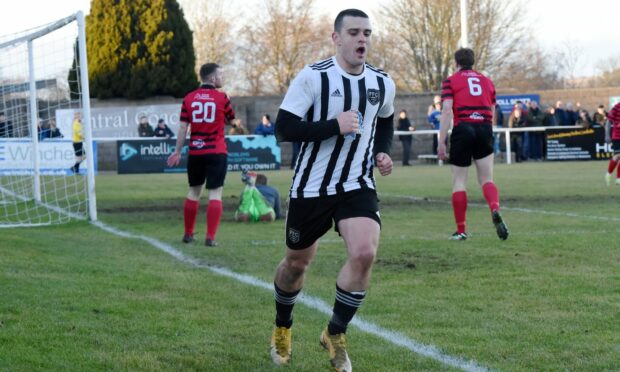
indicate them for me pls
(206, 109)
(472, 95)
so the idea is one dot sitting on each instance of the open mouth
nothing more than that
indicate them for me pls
(360, 51)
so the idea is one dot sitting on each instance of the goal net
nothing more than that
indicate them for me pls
(38, 185)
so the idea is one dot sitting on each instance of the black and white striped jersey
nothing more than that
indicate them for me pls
(339, 164)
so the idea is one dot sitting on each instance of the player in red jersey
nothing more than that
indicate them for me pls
(468, 99)
(206, 110)
(614, 125)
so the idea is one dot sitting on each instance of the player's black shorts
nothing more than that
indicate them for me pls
(470, 140)
(615, 144)
(210, 168)
(78, 148)
(309, 219)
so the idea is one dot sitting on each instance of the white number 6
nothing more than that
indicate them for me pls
(474, 86)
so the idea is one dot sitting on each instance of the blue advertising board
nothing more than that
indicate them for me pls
(150, 155)
(506, 102)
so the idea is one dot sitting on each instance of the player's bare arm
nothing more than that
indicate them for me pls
(175, 158)
(445, 122)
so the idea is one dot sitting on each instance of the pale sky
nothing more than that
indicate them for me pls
(592, 25)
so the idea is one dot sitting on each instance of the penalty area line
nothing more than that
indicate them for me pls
(398, 339)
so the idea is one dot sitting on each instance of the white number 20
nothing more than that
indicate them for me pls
(474, 86)
(204, 112)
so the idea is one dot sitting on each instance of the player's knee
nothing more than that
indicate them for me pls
(242, 217)
(297, 266)
(194, 192)
(364, 257)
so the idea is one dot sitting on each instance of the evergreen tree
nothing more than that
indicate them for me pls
(138, 49)
(74, 74)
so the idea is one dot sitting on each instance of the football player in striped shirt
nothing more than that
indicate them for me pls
(614, 125)
(468, 99)
(206, 110)
(342, 110)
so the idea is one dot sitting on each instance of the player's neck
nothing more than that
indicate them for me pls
(348, 68)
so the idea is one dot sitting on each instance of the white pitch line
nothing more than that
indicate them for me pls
(516, 209)
(54, 208)
(312, 302)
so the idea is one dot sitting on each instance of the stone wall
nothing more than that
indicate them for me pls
(589, 98)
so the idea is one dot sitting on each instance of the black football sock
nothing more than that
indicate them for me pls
(345, 306)
(284, 306)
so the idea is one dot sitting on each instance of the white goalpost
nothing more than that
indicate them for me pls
(37, 183)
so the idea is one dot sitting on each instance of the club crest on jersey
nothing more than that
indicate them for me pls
(476, 116)
(293, 235)
(373, 96)
(198, 143)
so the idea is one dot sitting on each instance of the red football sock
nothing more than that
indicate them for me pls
(190, 210)
(491, 195)
(459, 206)
(612, 166)
(214, 214)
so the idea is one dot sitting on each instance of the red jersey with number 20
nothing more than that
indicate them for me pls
(472, 95)
(206, 109)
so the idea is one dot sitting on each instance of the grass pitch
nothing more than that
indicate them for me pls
(74, 297)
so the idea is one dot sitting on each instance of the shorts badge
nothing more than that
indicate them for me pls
(293, 235)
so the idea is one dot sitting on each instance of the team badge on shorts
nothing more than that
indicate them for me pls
(293, 235)
(373, 96)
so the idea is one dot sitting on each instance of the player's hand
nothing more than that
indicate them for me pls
(348, 122)
(384, 163)
(174, 159)
(441, 151)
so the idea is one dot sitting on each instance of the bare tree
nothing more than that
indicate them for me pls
(609, 72)
(277, 48)
(429, 30)
(567, 58)
(532, 68)
(213, 31)
(385, 53)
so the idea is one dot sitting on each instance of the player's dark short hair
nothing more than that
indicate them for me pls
(344, 13)
(267, 117)
(207, 69)
(464, 57)
(261, 179)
